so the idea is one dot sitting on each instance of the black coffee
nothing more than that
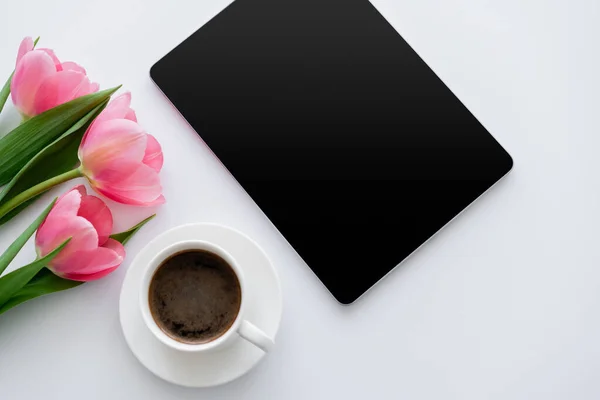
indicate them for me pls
(194, 296)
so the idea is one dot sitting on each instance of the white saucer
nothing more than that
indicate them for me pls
(264, 306)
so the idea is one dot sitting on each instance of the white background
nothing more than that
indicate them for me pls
(504, 303)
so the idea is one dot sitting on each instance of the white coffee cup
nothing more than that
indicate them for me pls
(240, 326)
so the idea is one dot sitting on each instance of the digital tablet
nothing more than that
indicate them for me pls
(344, 137)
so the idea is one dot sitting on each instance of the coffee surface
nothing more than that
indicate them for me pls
(194, 296)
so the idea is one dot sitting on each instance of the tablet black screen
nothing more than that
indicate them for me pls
(349, 143)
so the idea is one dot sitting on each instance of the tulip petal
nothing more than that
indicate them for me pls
(31, 71)
(129, 183)
(108, 142)
(81, 189)
(67, 204)
(74, 276)
(57, 64)
(56, 230)
(60, 88)
(25, 47)
(116, 246)
(126, 200)
(97, 212)
(91, 265)
(153, 156)
(160, 200)
(71, 66)
(63, 223)
(131, 115)
(118, 108)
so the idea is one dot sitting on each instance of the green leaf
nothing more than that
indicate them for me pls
(5, 92)
(18, 244)
(25, 141)
(12, 282)
(55, 159)
(14, 212)
(124, 237)
(44, 282)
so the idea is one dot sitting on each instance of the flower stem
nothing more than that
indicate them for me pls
(38, 189)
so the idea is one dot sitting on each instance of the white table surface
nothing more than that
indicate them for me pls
(504, 303)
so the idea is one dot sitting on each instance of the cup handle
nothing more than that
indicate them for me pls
(255, 336)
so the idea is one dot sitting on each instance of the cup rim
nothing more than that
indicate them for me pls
(149, 272)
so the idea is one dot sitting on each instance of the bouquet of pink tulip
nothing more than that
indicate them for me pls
(69, 130)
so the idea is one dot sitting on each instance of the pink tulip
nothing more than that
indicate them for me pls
(90, 254)
(41, 81)
(120, 160)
